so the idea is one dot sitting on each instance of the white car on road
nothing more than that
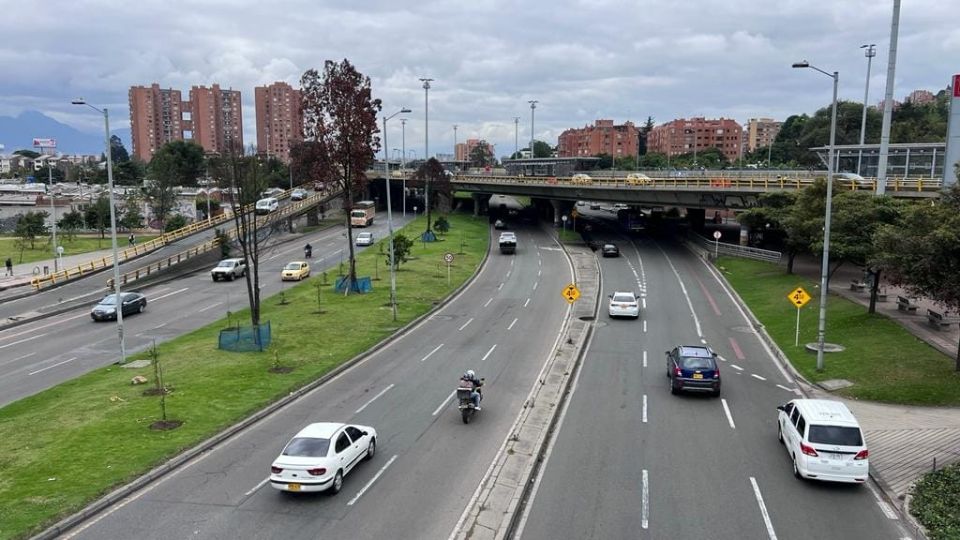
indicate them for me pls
(365, 239)
(624, 304)
(823, 440)
(320, 456)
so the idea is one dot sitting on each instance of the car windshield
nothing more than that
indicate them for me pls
(838, 435)
(627, 298)
(365, 235)
(225, 264)
(109, 300)
(610, 246)
(307, 447)
(695, 362)
(358, 213)
(292, 266)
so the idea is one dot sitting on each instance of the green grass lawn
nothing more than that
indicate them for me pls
(66, 446)
(884, 361)
(43, 247)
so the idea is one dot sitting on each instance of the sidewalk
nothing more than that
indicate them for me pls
(905, 441)
(23, 273)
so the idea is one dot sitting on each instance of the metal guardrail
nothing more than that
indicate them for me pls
(736, 250)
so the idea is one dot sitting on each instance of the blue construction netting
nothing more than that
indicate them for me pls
(361, 285)
(245, 338)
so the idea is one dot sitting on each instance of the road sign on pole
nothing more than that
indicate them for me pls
(799, 298)
(716, 243)
(571, 293)
(448, 258)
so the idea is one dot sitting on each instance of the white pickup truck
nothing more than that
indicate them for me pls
(229, 269)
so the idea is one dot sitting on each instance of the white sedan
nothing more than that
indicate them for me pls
(624, 304)
(320, 455)
(365, 239)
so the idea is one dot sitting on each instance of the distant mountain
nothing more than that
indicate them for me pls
(17, 133)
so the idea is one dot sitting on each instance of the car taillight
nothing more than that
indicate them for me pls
(678, 372)
(808, 450)
(276, 470)
(317, 471)
(863, 454)
(716, 374)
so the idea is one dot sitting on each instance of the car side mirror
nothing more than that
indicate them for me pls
(364, 433)
(609, 296)
(714, 354)
(666, 353)
(781, 408)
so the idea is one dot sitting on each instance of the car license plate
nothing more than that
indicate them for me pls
(698, 375)
(293, 487)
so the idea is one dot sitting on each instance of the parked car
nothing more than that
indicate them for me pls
(365, 239)
(693, 367)
(624, 304)
(298, 194)
(824, 440)
(228, 269)
(610, 250)
(106, 309)
(295, 271)
(320, 455)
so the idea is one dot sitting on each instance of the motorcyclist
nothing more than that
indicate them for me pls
(470, 380)
(308, 251)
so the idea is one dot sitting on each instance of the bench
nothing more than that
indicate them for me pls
(906, 304)
(939, 320)
(858, 286)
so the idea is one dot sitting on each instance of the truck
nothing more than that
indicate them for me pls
(631, 220)
(508, 243)
(362, 214)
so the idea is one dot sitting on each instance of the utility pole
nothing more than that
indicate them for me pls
(533, 107)
(888, 101)
(869, 53)
(516, 136)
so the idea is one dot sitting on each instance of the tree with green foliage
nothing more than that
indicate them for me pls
(180, 163)
(442, 225)
(653, 160)
(644, 135)
(27, 153)
(69, 223)
(97, 215)
(401, 250)
(131, 216)
(201, 205)
(481, 155)
(541, 149)
(29, 227)
(118, 153)
(276, 172)
(128, 173)
(176, 221)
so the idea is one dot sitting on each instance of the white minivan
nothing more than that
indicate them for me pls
(265, 206)
(824, 440)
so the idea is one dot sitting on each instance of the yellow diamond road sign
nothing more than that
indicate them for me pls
(799, 297)
(571, 293)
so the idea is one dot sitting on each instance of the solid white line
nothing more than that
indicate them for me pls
(535, 285)
(785, 388)
(526, 303)
(513, 323)
(645, 515)
(489, 352)
(683, 289)
(755, 376)
(258, 486)
(211, 306)
(444, 404)
(736, 367)
(170, 294)
(644, 358)
(884, 507)
(372, 480)
(644, 408)
(35, 328)
(726, 409)
(466, 323)
(53, 366)
(429, 354)
(488, 302)
(12, 343)
(644, 326)
(763, 509)
(500, 287)
(374, 398)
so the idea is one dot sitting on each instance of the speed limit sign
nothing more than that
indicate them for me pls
(448, 257)
(717, 235)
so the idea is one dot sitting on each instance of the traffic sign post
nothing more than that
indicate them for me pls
(716, 243)
(799, 298)
(448, 258)
(570, 293)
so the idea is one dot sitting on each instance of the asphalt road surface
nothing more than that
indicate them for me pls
(631, 460)
(44, 353)
(428, 463)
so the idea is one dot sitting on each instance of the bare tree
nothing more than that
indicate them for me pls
(340, 133)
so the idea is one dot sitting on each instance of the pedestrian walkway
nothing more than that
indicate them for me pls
(23, 273)
(905, 441)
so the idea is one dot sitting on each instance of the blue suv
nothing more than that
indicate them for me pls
(693, 367)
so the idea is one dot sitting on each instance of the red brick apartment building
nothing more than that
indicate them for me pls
(603, 137)
(279, 119)
(681, 136)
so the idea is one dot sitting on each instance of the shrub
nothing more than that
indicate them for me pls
(936, 497)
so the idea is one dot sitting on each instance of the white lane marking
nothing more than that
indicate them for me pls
(513, 323)
(736, 367)
(274, 257)
(726, 409)
(157, 291)
(683, 289)
(645, 514)
(256, 487)
(488, 302)
(526, 303)
(644, 358)
(35, 328)
(763, 509)
(884, 507)
(535, 285)
(511, 262)
(374, 398)
(644, 300)
(211, 306)
(372, 480)
(644, 326)
(500, 287)
(755, 376)
(24, 356)
(429, 354)
(23, 340)
(170, 294)
(489, 352)
(644, 408)
(539, 272)
(53, 366)
(444, 404)
(466, 323)
(508, 274)
(785, 388)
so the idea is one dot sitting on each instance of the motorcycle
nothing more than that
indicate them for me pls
(465, 402)
(308, 251)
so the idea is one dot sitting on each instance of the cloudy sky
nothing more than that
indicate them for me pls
(582, 60)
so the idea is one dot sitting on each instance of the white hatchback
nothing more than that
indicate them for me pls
(824, 441)
(320, 455)
(624, 304)
(365, 239)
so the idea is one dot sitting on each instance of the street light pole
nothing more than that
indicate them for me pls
(533, 107)
(455, 157)
(403, 162)
(869, 53)
(113, 229)
(825, 263)
(426, 143)
(888, 102)
(386, 180)
(516, 136)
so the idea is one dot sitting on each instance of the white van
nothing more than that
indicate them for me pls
(824, 441)
(265, 206)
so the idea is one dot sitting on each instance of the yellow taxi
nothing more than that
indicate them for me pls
(295, 271)
(581, 178)
(638, 179)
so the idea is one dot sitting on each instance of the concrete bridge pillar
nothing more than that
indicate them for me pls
(481, 203)
(696, 217)
(557, 206)
(744, 235)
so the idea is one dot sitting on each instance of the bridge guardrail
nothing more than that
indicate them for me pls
(736, 250)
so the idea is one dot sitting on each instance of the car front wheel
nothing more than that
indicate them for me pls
(371, 450)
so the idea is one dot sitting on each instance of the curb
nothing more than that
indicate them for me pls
(179, 460)
(919, 531)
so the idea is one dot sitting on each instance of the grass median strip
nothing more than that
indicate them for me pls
(43, 249)
(884, 361)
(64, 447)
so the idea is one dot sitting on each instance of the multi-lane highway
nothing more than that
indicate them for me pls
(428, 463)
(630, 460)
(41, 354)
